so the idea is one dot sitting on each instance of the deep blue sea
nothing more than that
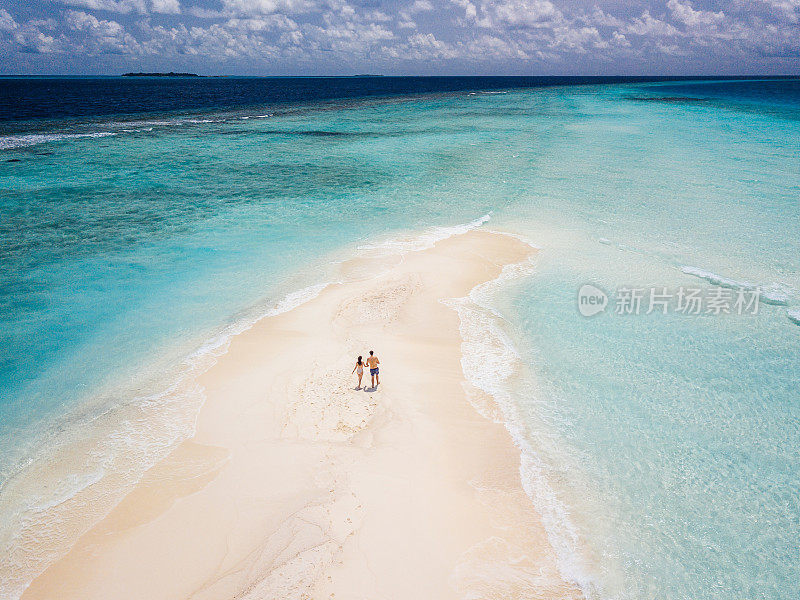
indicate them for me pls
(147, 220)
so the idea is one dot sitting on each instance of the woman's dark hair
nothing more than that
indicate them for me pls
(359, 360)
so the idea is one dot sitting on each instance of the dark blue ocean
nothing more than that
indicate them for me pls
(54, 98)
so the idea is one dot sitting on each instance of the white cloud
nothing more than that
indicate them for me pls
(509, 14)
(166, 6)
(117, 6)
(427, 44)
(421, 47)
(217, 40)
(520, 13)
(490, 46)
(365, 32)
(265, 7)
(29, 37)
(470, 11)
(100, 36)
(7, 22)
(143, 7)
(263, 23)
(128, 6)
(420, 6)
(348, 37)
(578, 39)
(684, 12)
(405, 19)
(648, 26)
(620, 40)
(788, 9)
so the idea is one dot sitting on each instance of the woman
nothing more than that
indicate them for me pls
(359, 369)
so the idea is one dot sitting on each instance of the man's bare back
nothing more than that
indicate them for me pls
(372, 363)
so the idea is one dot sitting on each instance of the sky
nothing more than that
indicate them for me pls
(401, 37)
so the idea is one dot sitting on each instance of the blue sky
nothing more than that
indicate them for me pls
(342, 37)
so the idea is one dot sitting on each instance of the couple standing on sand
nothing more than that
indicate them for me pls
(372, 363)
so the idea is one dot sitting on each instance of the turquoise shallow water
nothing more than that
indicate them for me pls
(666, 445)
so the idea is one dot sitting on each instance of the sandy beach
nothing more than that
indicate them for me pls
(298, 485)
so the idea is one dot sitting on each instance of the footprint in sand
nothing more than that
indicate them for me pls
(325, 409)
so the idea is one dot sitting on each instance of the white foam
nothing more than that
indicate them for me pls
(716, 279)
(143, 123)
(8, 142)
(423, 241)
(218, 344)
(773, 293)
(80, 472)
(516, 266)
(776, 293)
(794, 316)
(66, 489)
(487, 353)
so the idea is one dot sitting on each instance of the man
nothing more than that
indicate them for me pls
(372, 363)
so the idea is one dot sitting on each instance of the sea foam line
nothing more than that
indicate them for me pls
(22, 140)
(8, 142)
(774, 293)
(486, 352)
(425, 240)
(217, 345)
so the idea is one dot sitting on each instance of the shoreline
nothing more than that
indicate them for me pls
(306, 487)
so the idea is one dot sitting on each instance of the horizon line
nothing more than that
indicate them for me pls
(177, 75)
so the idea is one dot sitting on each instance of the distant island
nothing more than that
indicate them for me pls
(170, 74)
